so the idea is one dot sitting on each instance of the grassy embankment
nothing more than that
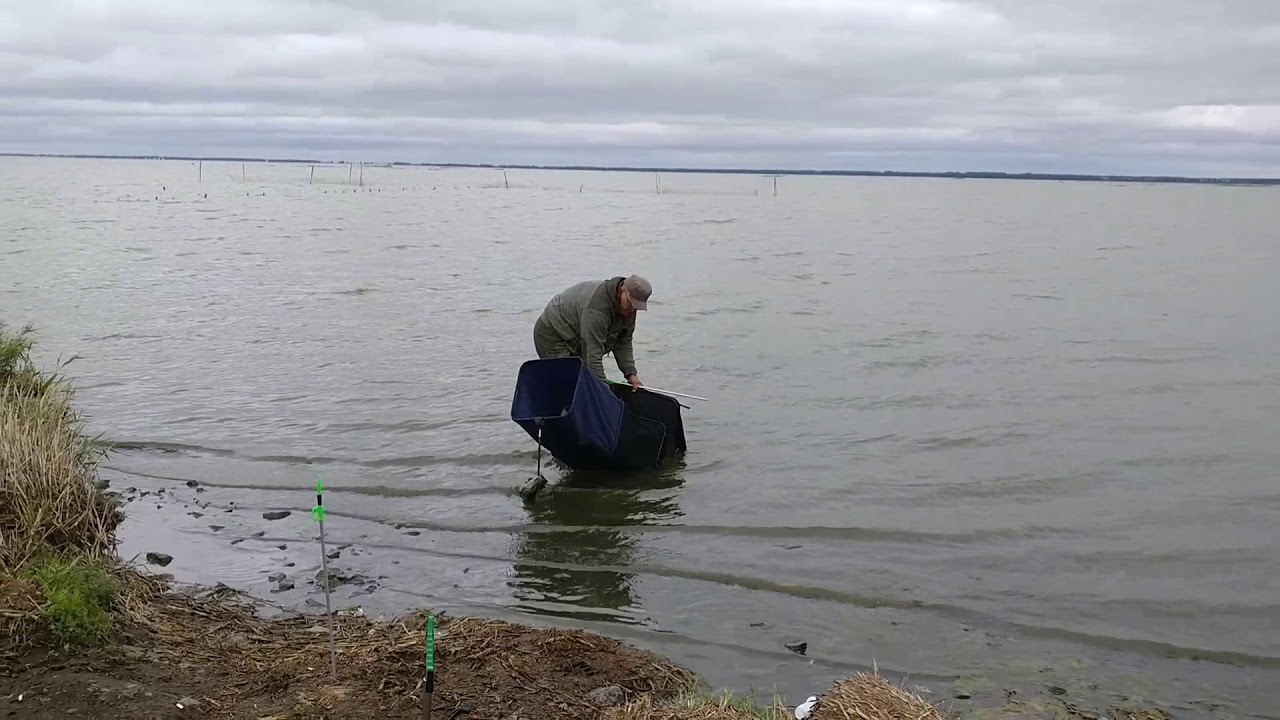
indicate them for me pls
(85, 631)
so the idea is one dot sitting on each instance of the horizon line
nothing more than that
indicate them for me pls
(766, 172)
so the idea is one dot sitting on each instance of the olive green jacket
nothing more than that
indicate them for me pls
(587, 319)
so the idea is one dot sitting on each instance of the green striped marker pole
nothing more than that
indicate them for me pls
(429, 687)
(317, 515)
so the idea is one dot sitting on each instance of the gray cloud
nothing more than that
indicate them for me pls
(1175, 86)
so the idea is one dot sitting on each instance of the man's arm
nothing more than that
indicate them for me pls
(623, 353)
(593, 327)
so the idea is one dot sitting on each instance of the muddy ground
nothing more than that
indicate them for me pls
(214, 655)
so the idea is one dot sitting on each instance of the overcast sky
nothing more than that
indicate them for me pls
(1139, 86)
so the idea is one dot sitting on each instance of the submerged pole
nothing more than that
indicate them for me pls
(529, 491)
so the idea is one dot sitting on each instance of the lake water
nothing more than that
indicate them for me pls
(992, 434)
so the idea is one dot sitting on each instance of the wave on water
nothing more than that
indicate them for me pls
(751, 307)
(1139, 359)
(430, 460)
(918, 362)
(407, 461)
(167, 448)
(990, 438)
(912, 400)
(365, 490)
(410, 426)
(1007, 487)
(908, 337)
(124, 336)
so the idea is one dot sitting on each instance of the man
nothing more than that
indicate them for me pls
(592, 318)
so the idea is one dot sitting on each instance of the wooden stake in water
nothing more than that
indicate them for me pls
(317, 514)
(429, 686)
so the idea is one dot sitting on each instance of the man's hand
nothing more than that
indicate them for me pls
(635, 382)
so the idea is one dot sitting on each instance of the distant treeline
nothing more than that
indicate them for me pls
(955, 175)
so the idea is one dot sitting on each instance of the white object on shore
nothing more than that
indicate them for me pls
(805, 709)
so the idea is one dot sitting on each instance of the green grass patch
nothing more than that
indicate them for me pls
(78, 598)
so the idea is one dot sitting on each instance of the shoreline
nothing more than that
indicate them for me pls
(1228, 181)
(92, 634)
(151, 669)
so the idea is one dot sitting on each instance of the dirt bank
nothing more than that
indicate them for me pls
(211, 655)
(216, 656)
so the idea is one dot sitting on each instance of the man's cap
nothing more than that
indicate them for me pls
(639, 289)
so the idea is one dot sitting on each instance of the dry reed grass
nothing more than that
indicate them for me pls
(871, 697)
(19, 599)
(695, 706)
(50, 506)
(49, 503)
(861, 697)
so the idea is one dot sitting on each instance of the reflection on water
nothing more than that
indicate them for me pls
(572, 561)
